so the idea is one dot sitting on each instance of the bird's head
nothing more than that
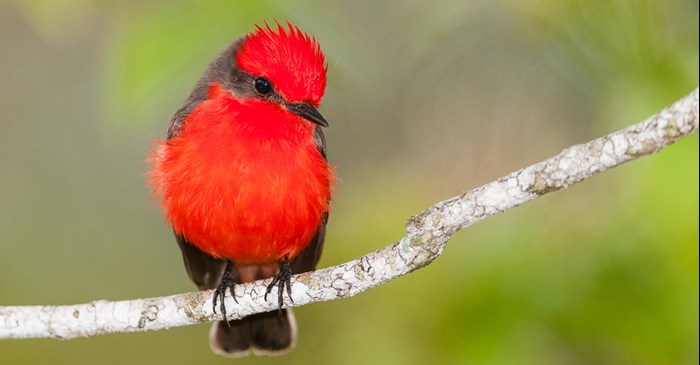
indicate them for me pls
(285, 66)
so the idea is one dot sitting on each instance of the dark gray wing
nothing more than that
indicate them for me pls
(308, 259)
(204, 270)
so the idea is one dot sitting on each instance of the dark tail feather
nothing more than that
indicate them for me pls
(262, 333)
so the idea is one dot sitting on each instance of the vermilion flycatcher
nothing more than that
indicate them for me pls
(243, 177)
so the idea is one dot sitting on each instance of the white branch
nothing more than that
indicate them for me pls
(426, 236)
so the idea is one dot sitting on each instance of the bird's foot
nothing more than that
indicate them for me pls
(228, 281)
(283, 280)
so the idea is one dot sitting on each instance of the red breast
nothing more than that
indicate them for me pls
(243, 181)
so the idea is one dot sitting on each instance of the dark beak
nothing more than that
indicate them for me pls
(307, 111)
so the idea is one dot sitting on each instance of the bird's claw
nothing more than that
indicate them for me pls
(283, 280)
(228, 281)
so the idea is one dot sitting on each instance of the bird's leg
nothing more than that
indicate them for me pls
(283, 280)
(228, 281)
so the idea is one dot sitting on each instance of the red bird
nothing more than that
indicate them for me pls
(244, 181)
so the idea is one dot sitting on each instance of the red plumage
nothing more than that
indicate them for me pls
(243, 179)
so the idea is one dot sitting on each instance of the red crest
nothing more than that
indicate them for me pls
(289, 58)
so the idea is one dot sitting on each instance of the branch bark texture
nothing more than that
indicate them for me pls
(427, 234)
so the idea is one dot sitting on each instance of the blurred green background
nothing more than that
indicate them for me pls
(425, 100)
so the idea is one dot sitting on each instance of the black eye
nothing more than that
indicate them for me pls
(263, 85)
